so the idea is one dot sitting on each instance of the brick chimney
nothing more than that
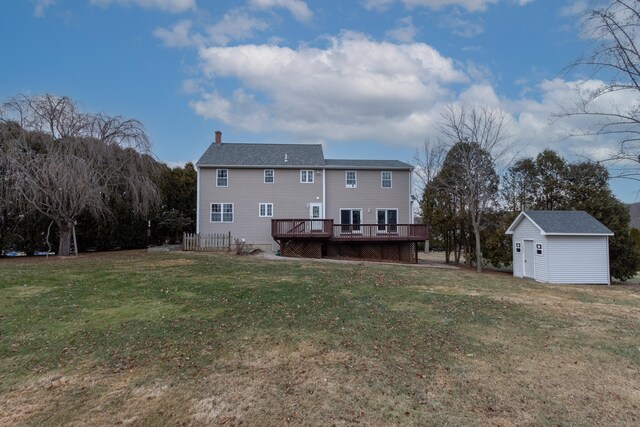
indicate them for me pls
(218, 137)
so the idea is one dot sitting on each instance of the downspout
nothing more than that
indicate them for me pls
(197, 199)
(411, 198)
(324, 194)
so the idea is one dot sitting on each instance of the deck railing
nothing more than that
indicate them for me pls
(292, 228)
(373, 232)
(325, 228)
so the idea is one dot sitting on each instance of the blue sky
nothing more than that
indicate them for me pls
(366, 78)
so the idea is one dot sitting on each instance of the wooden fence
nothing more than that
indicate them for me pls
(206, 241)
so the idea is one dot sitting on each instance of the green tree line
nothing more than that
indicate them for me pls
(546, 182)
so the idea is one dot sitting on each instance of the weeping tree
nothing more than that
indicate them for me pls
(62, 162)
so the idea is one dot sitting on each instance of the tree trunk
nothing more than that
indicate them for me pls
(64, 248)
(476, 232)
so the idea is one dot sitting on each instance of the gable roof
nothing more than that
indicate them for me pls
(562, 223)
(284, 156)
(365, 164)
(269, 155)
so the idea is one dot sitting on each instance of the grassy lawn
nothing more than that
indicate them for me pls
(209, 339)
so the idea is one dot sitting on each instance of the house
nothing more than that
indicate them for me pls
(289, 197)
(560, 247)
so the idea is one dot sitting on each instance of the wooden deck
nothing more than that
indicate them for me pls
(301, 229)
(325, 229)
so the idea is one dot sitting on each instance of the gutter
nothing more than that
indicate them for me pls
(197, 199)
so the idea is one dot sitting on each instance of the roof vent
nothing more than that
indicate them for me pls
(286, 158)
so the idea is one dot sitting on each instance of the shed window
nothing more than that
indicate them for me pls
(538, 249)
(518, 249)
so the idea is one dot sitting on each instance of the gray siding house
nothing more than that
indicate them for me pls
(560, 247)
(243, 187)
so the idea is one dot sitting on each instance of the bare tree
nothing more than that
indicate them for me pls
(428, 161)
(62, 162)
(614, 59)
(478, 138)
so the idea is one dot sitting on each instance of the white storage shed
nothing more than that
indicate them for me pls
(560, 247)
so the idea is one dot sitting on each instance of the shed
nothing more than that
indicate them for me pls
(560, 247)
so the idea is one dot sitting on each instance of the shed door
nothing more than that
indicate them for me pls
(529, 266)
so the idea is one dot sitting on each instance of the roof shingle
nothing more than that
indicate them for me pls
(285, 155)
(567, 222)
(281, 155)
(363, 164)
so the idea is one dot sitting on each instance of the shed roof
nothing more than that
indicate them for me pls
(563, 223)
(281, 155)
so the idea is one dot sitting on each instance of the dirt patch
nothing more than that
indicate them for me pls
(100, 398)
(301, 385)
(167, 262)
(525, 390)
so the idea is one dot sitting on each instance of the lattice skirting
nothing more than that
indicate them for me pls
(301, 248)
(382, 251)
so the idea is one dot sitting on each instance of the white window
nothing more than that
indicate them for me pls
(518, 250)
(221, 212)
(351, 179)
(538, 248)
(350, 220)
(222, 178)
(386, 179)
(269, 176)
(265, 210)
(306, 177)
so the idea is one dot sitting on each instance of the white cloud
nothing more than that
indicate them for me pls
(213, 106)
(174, 165)
(190, 87)
(461, 26)
(41, 6)
(173, 6)
(235, 25)
(470, 5)
(575, 8)
(538, 126)
(179, 35)
(298, 8)
(355, 88)
(358, 89)
(379, 5)
(405, 32)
